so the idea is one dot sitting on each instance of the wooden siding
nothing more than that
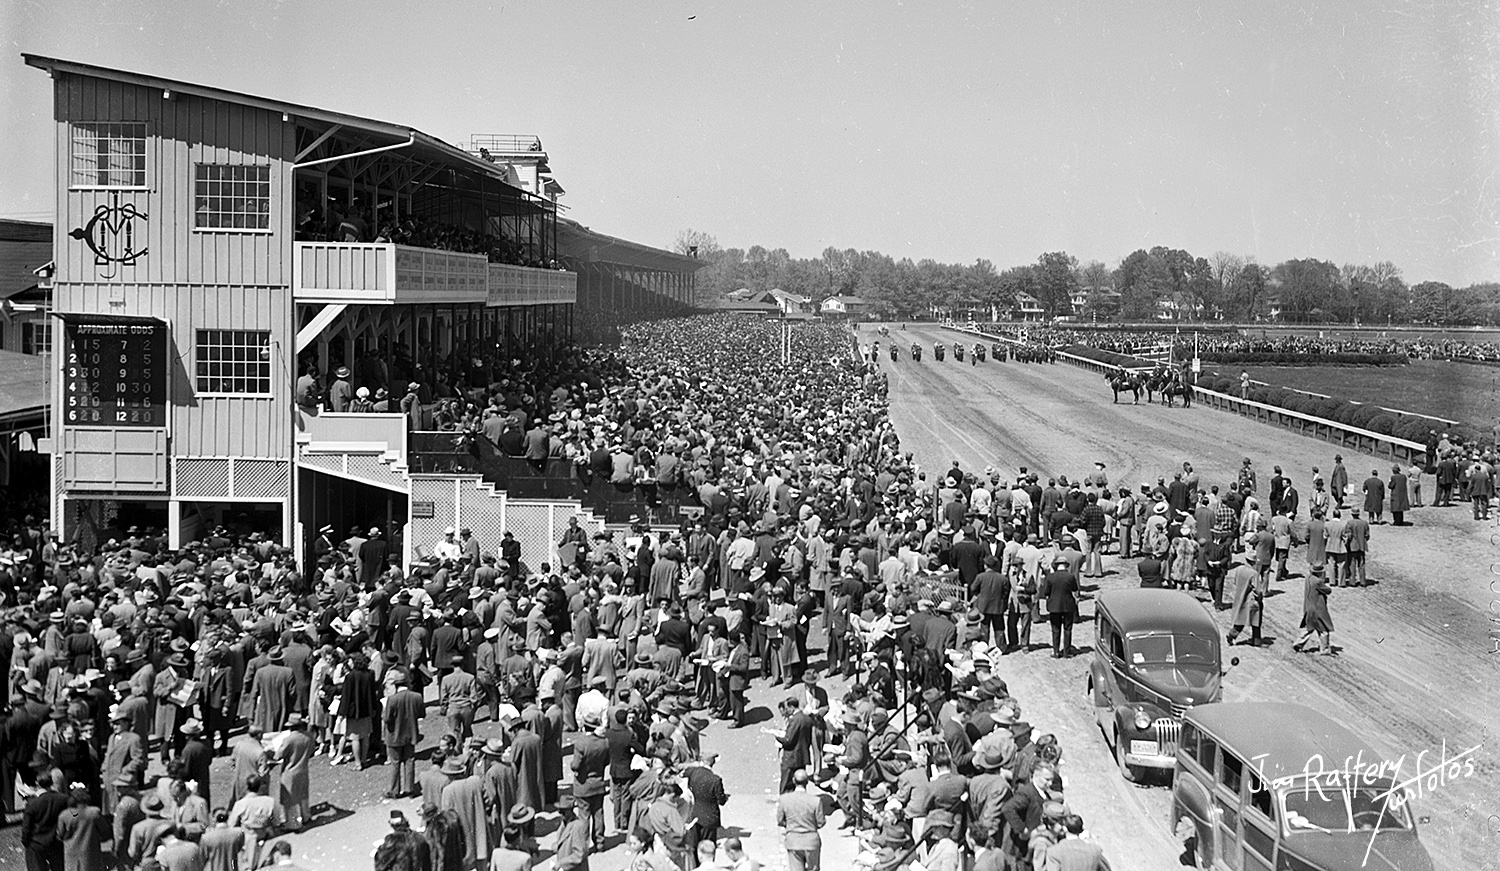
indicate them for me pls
(181, 132)
(219, 426)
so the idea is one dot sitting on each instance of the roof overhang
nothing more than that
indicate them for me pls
(579, 242)
(423, 144)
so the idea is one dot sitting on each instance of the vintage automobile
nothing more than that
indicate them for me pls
(1263, 785)
(1157, 654)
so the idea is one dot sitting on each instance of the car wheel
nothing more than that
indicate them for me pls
(1127, 770)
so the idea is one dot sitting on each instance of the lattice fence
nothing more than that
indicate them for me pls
(536, 524)
(200, 478)
(261, 479)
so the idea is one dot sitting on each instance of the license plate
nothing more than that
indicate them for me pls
(1143, 748)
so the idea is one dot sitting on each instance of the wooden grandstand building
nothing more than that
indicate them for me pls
(219, 256)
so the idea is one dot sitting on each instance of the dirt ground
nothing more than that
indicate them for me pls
(1415, 672)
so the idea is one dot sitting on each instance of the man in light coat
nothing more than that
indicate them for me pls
(800, 814)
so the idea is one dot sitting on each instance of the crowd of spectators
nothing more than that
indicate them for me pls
(147, 659)
(358, 224)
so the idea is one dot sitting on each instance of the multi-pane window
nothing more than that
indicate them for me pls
(234, 361)
(36, 338)
(232, 197)
(109, 154)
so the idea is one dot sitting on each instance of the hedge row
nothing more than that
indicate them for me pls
(1109, 357)
(1291, 358)
(1370, 417)
(1343, 411)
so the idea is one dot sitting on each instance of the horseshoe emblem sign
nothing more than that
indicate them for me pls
(111, 235)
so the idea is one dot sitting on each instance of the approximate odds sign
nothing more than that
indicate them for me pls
(115, 372)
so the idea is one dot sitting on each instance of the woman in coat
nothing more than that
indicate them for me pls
(81, 829)
(359, 705)
(1182, 559)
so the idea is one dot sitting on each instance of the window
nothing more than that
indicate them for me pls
(1260, 796)
(109, 154)
(234, 361)
(36, 338)
(1231, 772)
(232, 197)
(1207, 747)
(1189, 740)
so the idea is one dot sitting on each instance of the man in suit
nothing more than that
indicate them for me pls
(624, 745)
(1023, 811)
(1356, 542)
(39, 840)
(591, 760)
(800, 814)
(459, 696)
(538, 446)
(707, 789)
(1374, 490)
(123, 755)
(402, 719)
(796, 741)
(1059, 589)
(1073, 853)
(988, 594)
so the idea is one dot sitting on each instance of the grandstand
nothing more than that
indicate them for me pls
(220, 256)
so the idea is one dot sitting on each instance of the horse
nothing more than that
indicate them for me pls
(1119, 380)
(1167, 385)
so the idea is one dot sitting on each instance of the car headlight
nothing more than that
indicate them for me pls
(1142, 720)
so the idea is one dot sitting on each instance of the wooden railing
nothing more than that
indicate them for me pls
(383, 272)
(1341, 434)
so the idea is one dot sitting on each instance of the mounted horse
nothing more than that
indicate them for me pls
(1167, 385)
(1121, 379)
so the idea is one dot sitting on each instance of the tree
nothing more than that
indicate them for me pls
(1309, 289)
(692, 243)
(1056, 279)
(1222, 267)
(1247, 292)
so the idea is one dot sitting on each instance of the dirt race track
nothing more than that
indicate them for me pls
(1415, 671)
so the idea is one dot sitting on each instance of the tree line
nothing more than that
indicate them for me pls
(1147, 284)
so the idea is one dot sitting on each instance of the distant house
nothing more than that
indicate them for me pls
(1107, 299)
(747, 301)
(844, 306)
(25, 286)
(791, 304)
(1027, 308)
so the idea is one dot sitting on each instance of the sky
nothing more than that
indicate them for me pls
(1355, 131)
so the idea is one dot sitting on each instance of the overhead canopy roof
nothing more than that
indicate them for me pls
(578, 242)
(423, 145)
(23, 386)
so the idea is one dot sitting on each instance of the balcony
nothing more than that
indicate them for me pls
(383, 273)
(386, 273)
(523, 285)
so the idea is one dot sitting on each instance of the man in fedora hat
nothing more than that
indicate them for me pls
(591, 760)
(124, 757)
(402, 721)
(459, 695)
(465, 796)
(271, 692)
(147, 834)
(295, 755)
(196, 756)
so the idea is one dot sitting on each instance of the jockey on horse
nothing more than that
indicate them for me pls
(1121, 379)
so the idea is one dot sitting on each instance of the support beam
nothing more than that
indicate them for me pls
(316, 142)
(308, 334)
